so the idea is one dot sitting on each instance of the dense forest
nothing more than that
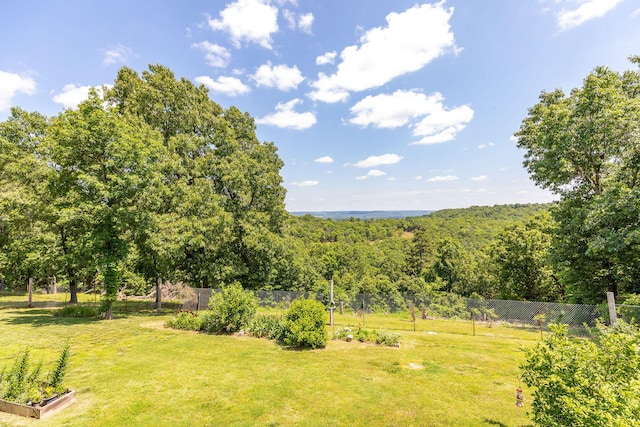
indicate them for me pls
(154, 180)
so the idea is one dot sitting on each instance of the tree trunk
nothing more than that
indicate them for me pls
(2, 284)
(73, 291)
(30, 291)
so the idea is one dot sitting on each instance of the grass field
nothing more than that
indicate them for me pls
(132, 371)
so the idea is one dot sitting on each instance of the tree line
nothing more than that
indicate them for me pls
(155, 180)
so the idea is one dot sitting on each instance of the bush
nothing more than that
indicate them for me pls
(585, 382)
(266, 326)
(185, 320)
(304, 324)
(229, 310)
(391, 339)
(24, 385)
(76, 311)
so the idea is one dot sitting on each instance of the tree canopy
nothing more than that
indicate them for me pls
(585, 147)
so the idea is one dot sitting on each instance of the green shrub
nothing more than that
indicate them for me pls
(23, 385)
(365, 335)
(267, 326)
(343, 334)
(304, 324)
(229, 310)
(76, 311)
(585, 382)
(185, 320)
(391, 339)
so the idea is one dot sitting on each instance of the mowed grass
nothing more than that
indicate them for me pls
(132, 371)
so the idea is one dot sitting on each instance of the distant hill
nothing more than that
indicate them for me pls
(363, 214)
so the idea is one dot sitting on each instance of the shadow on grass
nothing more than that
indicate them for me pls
(45, 317)
(39, 317)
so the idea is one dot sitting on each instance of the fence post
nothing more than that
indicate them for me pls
(611, 302)
(159, 293)
(332, 304)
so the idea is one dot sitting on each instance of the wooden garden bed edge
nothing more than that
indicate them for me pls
(57, 405)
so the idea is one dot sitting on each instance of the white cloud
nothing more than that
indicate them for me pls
(573, 13)
(373, 161)
(290, 17)
(480, 178)
(215, 55)
(443, 178)
(248, 20)
(119, 54)
(10, 84)
(418, 178)
(305, 22)
(436, 123)
(325, 159)
(285, 117)
(483, 146)
(410, 41)
(327, 58)
(225, 85)
(372, 173)
(73, 95)
(635, 13)
(282, 77)
(305, 183)
(513, 138)
(442, 125)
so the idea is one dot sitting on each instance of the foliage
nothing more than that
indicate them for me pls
(185, 320)
(24, 385)
(76, 311)
(267, 326)
(448, 305)
(390, 339)
(584, 147)
(381, 337)
(230, 310)
(585, 382)
(520, 256)
(304, 324)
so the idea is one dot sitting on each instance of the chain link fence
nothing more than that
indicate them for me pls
(437, 306)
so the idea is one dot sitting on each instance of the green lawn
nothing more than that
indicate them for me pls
(132, 371)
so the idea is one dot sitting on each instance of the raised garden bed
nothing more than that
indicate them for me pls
(38, 411)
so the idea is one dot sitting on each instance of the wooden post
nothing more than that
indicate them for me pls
(332, 304)
(341, 307)
(540, 324)
(473, 321)
(30, 291)
(413, 315)
(611, 302)
(363, 312)
(159, 293)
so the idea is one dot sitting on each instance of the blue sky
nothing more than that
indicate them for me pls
(373, 105)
